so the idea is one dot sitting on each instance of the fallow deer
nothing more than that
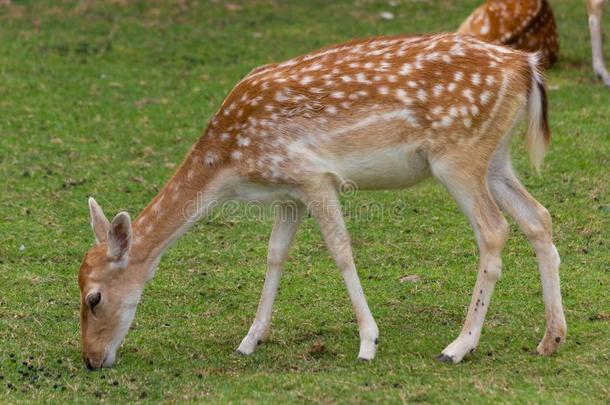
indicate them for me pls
(529, 25)
(382, 113)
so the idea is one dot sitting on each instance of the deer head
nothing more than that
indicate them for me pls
(110, 288)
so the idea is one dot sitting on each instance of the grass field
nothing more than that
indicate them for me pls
(105, 98)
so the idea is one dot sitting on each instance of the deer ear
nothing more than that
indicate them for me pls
(119, 238)
(99, 222)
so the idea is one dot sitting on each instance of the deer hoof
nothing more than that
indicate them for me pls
(443, 358)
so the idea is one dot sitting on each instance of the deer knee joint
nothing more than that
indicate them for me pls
(274, 261)
(344, 261)
(540, 230)
(493, 270)
(495, 237)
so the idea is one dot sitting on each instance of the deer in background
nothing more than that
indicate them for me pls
(529, 25)
(383, 113)
(595, 8)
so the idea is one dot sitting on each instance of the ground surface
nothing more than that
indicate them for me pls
(105, 99)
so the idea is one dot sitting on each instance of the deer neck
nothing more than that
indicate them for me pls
(196, 187)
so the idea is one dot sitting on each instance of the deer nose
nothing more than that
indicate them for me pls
(88, 364)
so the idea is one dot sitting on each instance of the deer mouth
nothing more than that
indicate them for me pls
(93, 363)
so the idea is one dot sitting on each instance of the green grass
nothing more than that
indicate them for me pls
(105, 98)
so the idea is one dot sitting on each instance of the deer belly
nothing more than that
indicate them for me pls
(396, 167)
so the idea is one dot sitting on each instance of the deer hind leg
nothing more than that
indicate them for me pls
(472, 194)
(594, 8)
(535, 222)
(288, 217)
(323, 203)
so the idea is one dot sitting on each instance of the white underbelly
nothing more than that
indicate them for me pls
(398, 167)
(263, 193)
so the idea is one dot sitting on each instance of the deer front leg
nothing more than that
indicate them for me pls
(595, 7)
(288, 217)
(491, 229)
(323, 203)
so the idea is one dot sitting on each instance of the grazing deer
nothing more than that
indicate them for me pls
(595, 8)
(528, 25)
(382, 113)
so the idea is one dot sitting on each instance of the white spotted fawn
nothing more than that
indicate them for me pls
(381, 113)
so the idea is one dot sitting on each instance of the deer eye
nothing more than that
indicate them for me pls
(93, 299)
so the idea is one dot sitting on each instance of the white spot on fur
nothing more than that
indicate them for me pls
(306, 80)
(402, 96)
(468, 94)
(210, 158)
(475, 79)
(243, 141)
(457, 50)
(438, 90)
(422, 95)
(405, 69)
(280, 97)
(446, 121)
(485, 96)
(361, 78)
(315, 66)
